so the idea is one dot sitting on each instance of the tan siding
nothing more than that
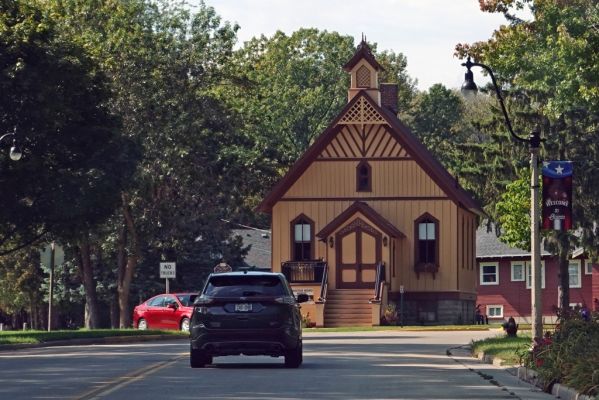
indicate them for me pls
(338, 179)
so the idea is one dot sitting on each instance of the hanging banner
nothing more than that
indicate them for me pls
(557, 195)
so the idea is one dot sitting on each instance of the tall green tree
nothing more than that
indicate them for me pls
(163, 62)
(550, 63)
(75, 159)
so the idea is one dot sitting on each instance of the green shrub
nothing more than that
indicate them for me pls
(572, 357)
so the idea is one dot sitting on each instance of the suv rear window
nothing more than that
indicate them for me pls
(244, 285)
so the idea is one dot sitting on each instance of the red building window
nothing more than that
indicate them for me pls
(302, 238)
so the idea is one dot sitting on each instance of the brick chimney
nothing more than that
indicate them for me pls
(389, 93)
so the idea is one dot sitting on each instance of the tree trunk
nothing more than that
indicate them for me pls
(89, 284)
(563, 288)
(127, 262)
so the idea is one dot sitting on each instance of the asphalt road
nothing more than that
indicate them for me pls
(361, 365)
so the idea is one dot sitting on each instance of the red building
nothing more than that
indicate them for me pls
(504, 280)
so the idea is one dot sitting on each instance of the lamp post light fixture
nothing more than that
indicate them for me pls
(469, 89)
(15, 152)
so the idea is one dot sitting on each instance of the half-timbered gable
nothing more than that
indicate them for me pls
(386, 219)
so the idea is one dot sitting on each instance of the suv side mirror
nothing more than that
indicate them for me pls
(302, 298)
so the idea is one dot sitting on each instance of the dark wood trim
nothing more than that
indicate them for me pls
(420, 266)
(377, 129)
(395, 144)
(368, 212)
(340, 145)
(292, 236)
(363, 198)
(360, 227)
(352, 139)
(402, 134)
(365, 158)
(368, 187)
(362, 52)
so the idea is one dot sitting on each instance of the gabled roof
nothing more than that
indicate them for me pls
(259, 254)
(362, 52)
(368, 212)
(401, 133)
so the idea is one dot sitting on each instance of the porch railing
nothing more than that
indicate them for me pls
(324, 285)
(379, 282)
(310, 271)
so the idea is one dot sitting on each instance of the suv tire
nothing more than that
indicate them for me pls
(199, 358)
(294, 358)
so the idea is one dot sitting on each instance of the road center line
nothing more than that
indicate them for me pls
(123, 381)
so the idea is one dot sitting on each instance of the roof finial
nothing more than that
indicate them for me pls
(363, 38)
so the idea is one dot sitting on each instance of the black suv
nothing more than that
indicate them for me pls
(251, 313)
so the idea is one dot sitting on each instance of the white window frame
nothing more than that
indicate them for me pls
(588, 267)
(528, 275)
(500, 306)
(579, 273)
(489, 264)
(523, 265)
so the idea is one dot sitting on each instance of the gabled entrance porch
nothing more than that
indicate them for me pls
(354, 276)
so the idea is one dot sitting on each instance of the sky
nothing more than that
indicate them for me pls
(425, 31)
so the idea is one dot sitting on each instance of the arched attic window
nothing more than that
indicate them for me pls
(426, 244)
(363, 177)
(302, 238)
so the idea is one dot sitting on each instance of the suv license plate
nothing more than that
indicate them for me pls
(243, 307)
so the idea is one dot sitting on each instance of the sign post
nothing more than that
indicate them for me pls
(401, 290)
(168, 270)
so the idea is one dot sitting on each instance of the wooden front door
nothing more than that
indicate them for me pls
(358, 253)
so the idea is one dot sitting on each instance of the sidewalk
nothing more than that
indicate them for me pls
(517, 381)
(503, 377)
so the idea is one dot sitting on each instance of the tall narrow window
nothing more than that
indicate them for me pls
(363, 177)
(426, 243)
(302, 238)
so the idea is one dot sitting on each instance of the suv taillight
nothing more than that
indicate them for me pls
(201, 305)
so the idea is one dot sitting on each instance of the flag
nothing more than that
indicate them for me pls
(557, 195)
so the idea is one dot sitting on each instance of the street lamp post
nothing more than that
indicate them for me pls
(534, 142)
(15, 153)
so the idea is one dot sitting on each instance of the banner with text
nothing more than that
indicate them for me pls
(557, 195)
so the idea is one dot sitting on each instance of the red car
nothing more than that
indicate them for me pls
(165, 311)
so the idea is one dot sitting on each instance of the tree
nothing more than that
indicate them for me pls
(75, 159)
(289, 89)
(162, 70)
(550, 64)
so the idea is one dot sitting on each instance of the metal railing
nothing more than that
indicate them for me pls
(379, 282)
(324, 285)
(310, 271)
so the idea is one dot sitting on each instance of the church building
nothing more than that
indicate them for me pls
(367, 220)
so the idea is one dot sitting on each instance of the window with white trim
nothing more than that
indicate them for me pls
(518, 270)
(495, 311)
(588, 267)
(529, 275)
(489, 274)
(574, 274)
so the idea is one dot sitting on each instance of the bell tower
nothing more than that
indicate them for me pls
(364, 71)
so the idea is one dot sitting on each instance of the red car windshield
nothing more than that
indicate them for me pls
(187, 299)
(244, 286)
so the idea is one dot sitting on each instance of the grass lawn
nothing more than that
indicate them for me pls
(508, 349)
(28, 337)
(404, 328)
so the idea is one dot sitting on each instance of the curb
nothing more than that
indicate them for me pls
(85, 341)
(530, 376)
